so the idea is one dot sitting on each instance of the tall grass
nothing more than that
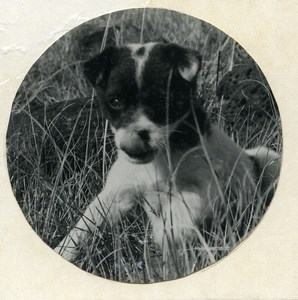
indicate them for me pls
(58, 158)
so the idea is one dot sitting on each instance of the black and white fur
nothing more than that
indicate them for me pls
(171, 159)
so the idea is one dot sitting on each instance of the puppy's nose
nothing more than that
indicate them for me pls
(135, 144)
(144, 135)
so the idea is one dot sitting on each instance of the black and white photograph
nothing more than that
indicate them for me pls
(144, 145)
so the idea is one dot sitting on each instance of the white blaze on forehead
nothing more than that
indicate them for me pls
(140, 58)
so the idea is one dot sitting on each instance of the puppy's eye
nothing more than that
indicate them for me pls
(115, 104)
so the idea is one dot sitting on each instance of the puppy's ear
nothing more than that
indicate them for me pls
(190, 67)
(187, 61)
(97, 69)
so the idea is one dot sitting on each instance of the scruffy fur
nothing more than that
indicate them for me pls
(171, 160)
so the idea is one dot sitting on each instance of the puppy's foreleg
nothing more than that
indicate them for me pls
(115, 200)
(91, 219)
(109, 205)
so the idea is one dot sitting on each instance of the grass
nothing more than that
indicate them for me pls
(60, 150)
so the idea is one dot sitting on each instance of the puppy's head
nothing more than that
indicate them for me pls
(145, 92)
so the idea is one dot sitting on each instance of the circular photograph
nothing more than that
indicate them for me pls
(144, 145)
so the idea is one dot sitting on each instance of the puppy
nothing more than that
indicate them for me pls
(171, 159)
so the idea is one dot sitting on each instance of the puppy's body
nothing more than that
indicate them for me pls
(171, 160)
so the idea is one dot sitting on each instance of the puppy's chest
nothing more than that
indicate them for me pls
(176, 188)
(179, 175)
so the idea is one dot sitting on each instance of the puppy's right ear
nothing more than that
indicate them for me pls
(98, 68)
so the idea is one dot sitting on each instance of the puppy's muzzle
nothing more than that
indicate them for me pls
(136, 145)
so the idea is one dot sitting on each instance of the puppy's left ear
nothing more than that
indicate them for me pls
(187, 61)
(190, 65)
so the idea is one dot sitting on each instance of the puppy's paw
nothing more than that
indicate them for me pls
(69, 253)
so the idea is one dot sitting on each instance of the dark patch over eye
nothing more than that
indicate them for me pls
(115, 104)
